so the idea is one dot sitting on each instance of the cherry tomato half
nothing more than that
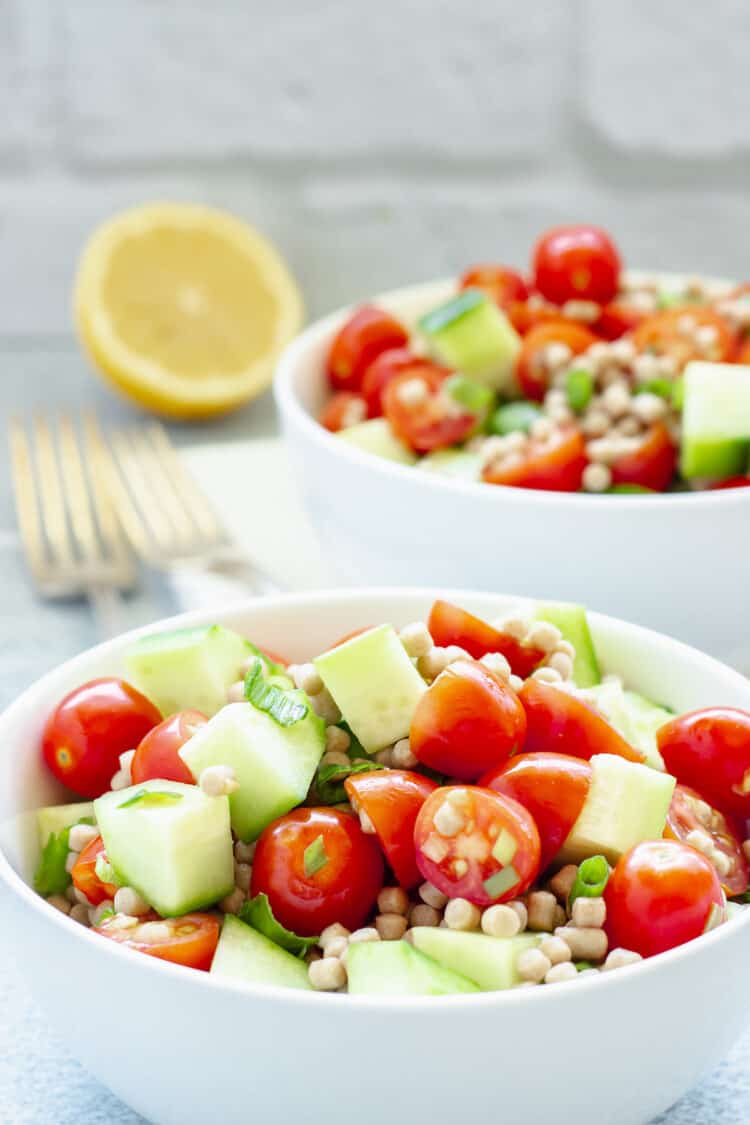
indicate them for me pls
(576, 263)
(466, 722)
(557, 720)
(192, 938)
(661, 893)
(90, 728)
(306, 898)
(392, 800)
(672, 332)
(426, 419)
(504, 285)
(157, 757)
(476, 844)
(532, 371)
(617, 319)
(85, 878)
(368, 332)
(450, 625)
(553, 464)
(652, 465)
(732, 482)
(689, 813)
(385, 368)
(552, 787)
(709, 750)
(342, 410)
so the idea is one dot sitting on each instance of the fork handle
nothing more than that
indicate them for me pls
(106, 606)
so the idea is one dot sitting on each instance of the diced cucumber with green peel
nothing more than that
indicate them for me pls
(514, 417)
(395, 968)
(376, 436)
(57, 817)
(170, 842)
(188, 669)
(715, 438)
(470, 334)
(626, 803)
(489, 962)
(573, 623)
(273, 764)
(633, 716)
(461, 464)
(245, 955)
(375, 685)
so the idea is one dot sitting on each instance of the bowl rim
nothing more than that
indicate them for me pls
(290, 407)
(405, 1005)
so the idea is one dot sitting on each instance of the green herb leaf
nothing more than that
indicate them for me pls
(258, 914)
(744, 897)
(591, 879)
(664, 388)
(329, 784)
(50, 877)
(150, 797)
(579, 388)
(285, 705)
(514, 417)
(314, 857)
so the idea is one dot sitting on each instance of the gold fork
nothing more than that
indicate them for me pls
(72, 539)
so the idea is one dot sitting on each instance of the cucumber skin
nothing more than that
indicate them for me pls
(572, 622)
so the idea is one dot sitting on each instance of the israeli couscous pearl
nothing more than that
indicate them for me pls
(500, 921)
(327, 974)
(588, 912)
(393, 900)
(532, 965)
(391, 927)
(560, 972)
(306, 677)
(556, 949)
(233, 902)
(619, 958)
(416, 639)
(335, 930)
(585, 943)
(128, 901)
(561, 884)
(244, 853)
(402, 755)
(81, 836)
(236, 692)
(424, 915)
(218, 781)
(541, 910)
(460, 914)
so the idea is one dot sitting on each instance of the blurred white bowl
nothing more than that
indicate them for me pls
(179, 1046)
(677, 562)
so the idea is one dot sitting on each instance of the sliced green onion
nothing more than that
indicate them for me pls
(314, 857)
(591, 879)
(477, 398)
(105, 871)
(514, 417)
(150, 797)
(664, 388)
(678, 393)
(581, 966)
(256, 912)
(671, 298)
(329, 783)
(501, 881)
(579, 388)
(285, 706)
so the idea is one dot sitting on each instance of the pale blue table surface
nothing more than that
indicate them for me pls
(40, 1082)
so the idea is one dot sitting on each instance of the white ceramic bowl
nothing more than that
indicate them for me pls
(676, 562)
(181, 1047)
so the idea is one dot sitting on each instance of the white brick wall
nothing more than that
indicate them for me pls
(376, 143)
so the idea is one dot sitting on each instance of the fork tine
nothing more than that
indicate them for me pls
(189, 494)
(177, 512)
(104, 467)
(139, 488)
(52, 502)
(27, 506)
(100, 479)
(77, 494)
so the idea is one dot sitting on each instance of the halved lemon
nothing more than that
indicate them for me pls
(184, 308)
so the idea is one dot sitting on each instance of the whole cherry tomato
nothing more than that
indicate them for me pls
(90, 728)
(421, 414)
(661, 893)
(576, 263)
(157, 757)
(476, 844)
(504, 285)
(85, 878)
(385, 368)
(552, 787)
(192, 938)
(532, 370)
(342, 410)
(652, 465)
(553, 464)
(450, 625)
(689, 814)
(709, 750)
(305, 894)
(392, 800)
(557, 720)
(368, 332)
(732, 482)
(466, 722)
(673, 332)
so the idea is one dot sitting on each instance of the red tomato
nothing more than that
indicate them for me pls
(504, 285)
(552, 787)
(90, 728)
(661, 893)
(652, 465)
(433, 421)
(617, 319)
(385, 368)
(157, 755)
(732, 482)
(489, 851)
(84, 875)
(344, 409)
(466, 722)
(192, 938)
(557, 720)
(532, 371)
(343, 890)
(664, 334)
(367, 333)
(710, 751)
(449, 625)
(576, 263)
(688, 813)
(553, 464)
(392, 799)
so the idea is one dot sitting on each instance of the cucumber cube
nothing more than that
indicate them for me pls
(488, 961)
(274, 764)
(715, 420)
(395, 968)
(244, 954)
(170, 842)
(635, 718)
(626, 803)
(375, 686)
(572, 622)
(377, 436)
(470, 334)
(461, 464)
(188, 668)
(57, 817)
